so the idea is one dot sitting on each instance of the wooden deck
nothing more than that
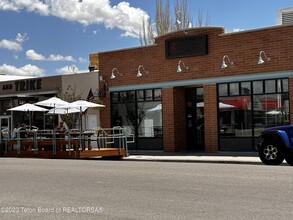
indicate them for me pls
(45, 149)
(74, 144)
(103, 152)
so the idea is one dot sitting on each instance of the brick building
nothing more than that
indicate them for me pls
(200, 89)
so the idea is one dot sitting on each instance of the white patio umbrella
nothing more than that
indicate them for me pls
(28, 108)
(53, 103)
(64, 110)
(82, 105)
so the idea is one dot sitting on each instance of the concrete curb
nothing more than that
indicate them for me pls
(196, 159)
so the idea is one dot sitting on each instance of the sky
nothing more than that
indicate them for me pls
(55, 37)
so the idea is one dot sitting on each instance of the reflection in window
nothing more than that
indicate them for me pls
(149, 95)
(270, 110)
(131, 96)
(124, 115)
(140, 95)
(234, 88)
(149, 119)
(157, 94)
(223, 89)
(270, 86)
(257, 87)
(282, 85)
(235, 116)
(245, 88)
(115, 97)
(123, 96)
(267, 107)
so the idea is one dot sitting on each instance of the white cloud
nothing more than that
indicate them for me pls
(86, 12)
(32, 55)
(30, 5)
(21, 38)
(57, 57)
(82, 60)
(27, 70)
(15, 45)
(67, 70)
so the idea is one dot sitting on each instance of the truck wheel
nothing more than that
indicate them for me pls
(271, 153)
(289, 159)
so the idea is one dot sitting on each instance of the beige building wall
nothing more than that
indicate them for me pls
(82, 83)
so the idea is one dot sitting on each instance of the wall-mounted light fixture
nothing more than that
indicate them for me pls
(139, 74)
(179, 70)
(101, 79)
(260, 59)
(113, 73)
(224, 65)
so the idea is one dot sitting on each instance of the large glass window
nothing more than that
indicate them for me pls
(235, 116)
(140, 113)
(270, 110)
(149, 119)
(124, 115)
(244, 116)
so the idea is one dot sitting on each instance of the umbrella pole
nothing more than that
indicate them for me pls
(44, 121)
(80, 122)
(29, 116)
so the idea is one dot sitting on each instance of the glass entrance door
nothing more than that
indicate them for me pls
(5, 125)
(194, 119)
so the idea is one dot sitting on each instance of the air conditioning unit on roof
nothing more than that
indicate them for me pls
(285, 16)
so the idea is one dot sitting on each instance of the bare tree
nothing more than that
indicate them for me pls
(164, 22)
(69, 95)
(163, 18)
(147, 33)
(183, 19)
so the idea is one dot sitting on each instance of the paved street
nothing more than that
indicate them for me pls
(97, 189)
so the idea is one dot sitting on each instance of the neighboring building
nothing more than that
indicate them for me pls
(31, 90)
(200, 89)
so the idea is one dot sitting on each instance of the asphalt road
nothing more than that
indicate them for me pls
(97, 189)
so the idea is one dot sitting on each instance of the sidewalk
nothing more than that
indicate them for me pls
(196, 157)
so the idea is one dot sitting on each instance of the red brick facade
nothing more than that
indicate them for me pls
(243, 49)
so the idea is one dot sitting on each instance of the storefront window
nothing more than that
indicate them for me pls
(258, 87)
(140, 113)
(115, 97)
(157, 94)
(243, 117)
(149, 95)
(223, 89)
(270, 110)
(234, 88)
(270, 86)
(124, 115)
(245, 88)
(235, 116)
(140, 95)
(149, 119)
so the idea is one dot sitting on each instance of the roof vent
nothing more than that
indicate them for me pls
(285, 16)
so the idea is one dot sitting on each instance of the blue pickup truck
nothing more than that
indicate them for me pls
(275, 145)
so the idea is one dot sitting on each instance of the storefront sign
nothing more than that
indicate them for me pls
(187, 46)
(7, 87)
(28, 85)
